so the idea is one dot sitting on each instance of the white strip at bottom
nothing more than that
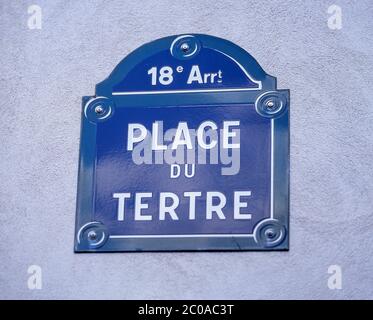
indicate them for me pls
(181, 236)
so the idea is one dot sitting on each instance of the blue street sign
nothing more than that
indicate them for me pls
(184, 147)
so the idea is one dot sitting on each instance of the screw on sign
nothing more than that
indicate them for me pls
(184, 47)
(99, 110)
(185, 146)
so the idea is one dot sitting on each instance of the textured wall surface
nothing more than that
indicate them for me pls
(44, 73)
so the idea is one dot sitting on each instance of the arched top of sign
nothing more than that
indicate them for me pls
(186, 63)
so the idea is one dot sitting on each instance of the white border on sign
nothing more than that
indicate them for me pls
(223, 235)
(129, 93)
(259, 83)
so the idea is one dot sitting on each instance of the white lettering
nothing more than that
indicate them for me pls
(132, 127)
(238, 205)
(121, 201)
(139, 206)
(163, 208)
(210, 207)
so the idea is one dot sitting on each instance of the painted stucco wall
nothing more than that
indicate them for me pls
(44, 73)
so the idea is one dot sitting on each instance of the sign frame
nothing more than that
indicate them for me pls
(269, 234)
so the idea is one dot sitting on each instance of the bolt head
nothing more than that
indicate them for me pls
(92, 235)
(99, 110)
(270, 104)
(184, 47)
(270, 234)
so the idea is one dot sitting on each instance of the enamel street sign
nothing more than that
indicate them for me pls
(184, 147)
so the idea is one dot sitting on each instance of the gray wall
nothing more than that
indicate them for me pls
(44, 73)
